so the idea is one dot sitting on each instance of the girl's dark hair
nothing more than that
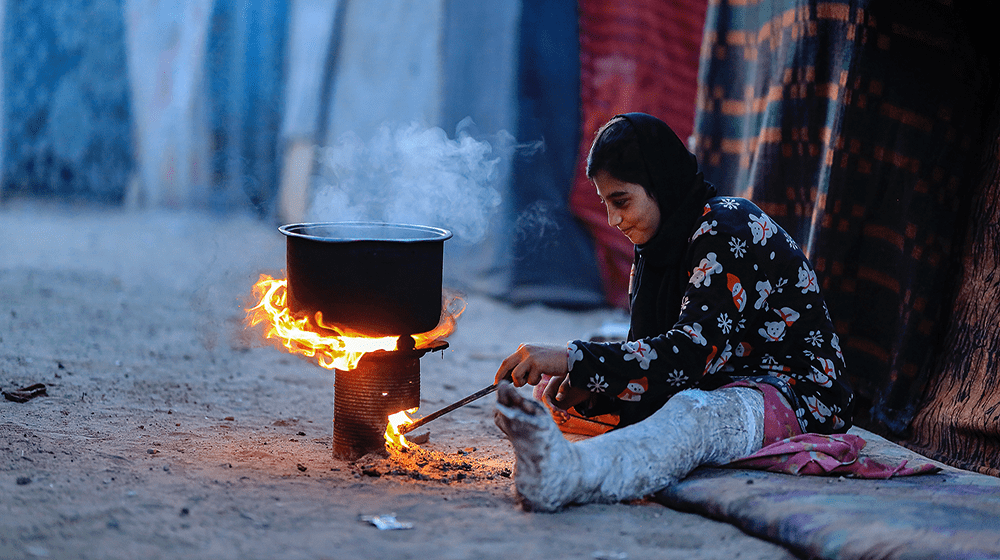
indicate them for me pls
(616, 150)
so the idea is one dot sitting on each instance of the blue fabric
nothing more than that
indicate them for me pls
(244, 71)
(553, 257)
(67, 128)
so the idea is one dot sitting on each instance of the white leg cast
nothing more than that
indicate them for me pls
(694, 428)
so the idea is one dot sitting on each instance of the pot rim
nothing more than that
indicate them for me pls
(366, 230)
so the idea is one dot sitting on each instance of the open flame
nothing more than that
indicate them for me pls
(394, 439)
(309, 336)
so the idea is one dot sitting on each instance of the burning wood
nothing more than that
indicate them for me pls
(402, 423)
(367, 390)
(394, 438)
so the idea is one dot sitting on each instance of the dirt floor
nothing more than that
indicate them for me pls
(167, 430)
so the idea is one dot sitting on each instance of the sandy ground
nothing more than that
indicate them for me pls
(170, 431)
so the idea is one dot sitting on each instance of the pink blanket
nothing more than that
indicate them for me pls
(787, 450)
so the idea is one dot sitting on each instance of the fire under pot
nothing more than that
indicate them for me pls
(377, 280)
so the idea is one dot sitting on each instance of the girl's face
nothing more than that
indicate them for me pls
(630, 208)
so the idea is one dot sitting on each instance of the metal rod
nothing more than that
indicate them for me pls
(407, 428)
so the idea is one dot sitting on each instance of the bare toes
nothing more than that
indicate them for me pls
(508, 396)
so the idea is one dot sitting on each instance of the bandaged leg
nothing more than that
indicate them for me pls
(694, 428)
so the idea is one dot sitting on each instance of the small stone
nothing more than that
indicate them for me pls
(301, 467)
(23, 480)
(152, 451)
(185, 512)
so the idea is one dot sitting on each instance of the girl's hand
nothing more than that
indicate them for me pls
(560, 396)
(527, 365)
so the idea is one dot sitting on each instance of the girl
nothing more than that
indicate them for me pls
(730, 339)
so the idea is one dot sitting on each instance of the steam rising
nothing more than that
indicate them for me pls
(412, 175)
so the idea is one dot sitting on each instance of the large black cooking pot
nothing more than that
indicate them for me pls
(373, 278)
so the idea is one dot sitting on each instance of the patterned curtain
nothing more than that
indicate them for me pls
(857, 125)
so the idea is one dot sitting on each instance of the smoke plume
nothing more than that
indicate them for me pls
(412, 175)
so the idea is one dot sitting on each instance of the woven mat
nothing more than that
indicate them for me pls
(950, 514)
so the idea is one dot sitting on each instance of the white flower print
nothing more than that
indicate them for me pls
(639, 351)
(819, 410)
(573, 355)
(815, 338)
(773, 331)
(791, 242)
(730, 203)
(822, 377)
(737, 246)
(819, 377)
(597, 384)
(764, 289)
(808, 354)
(783, 377)
(715, 366)
(768, 361)
(684, 303)
(694, 333)
(741, 325)
(779, 285)
(829, 369)
(762, 228)
(807, 280)
(725, 323)
(705, 227)
(702, 274)
(634, 390)
(835, 342)
(676, 378)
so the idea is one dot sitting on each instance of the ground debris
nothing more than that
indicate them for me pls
(423, 464)
(386, 522)
(25, 394)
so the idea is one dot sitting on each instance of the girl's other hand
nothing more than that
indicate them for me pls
(530, 362)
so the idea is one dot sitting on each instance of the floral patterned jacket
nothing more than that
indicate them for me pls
(752, 310)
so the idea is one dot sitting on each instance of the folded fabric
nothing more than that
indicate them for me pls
(837, 454)
(788, 450)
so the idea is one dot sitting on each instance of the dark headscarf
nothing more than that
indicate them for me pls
(680, 191)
